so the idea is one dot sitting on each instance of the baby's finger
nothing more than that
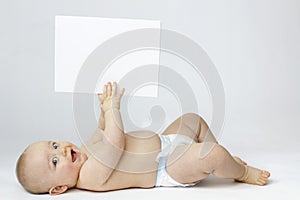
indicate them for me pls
(104, 91)
(109, 89)
(100, 96)
(114, 88)
(121, 93)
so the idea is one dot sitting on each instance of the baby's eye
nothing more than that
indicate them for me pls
(55, 146)
(54, 161)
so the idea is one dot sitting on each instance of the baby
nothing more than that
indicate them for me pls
(185, 153)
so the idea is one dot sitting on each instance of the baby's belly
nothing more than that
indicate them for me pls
(140, 153)
(138, 166)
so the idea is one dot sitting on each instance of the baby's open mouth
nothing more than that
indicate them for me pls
(74, 155)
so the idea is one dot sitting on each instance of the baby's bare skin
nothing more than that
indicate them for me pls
(117, 160)
(136, 168)
(194, 126)
(141, 171)
(113, 160)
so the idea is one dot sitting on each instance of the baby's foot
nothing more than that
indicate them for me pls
(237, 159)
(254, 176)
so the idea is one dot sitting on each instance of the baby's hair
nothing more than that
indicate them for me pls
(24, 179)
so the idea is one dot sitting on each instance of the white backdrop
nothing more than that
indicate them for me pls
(254, 45)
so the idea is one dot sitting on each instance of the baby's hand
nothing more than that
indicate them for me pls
(110, 99)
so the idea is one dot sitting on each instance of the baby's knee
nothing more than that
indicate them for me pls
(190, 116)
(192, 120)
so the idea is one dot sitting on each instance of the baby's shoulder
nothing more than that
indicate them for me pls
(90, 176)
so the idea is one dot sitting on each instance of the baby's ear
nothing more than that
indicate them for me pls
(58, 190)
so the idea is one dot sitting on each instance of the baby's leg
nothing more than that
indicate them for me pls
(191, 125)
(187, 164)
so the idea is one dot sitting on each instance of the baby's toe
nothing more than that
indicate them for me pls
(265, 174)
(261, 182)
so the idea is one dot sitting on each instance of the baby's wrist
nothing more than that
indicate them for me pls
(111, 109)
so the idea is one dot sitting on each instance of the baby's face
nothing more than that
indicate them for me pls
(58, 163)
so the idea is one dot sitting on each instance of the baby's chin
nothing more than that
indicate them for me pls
(84, 158)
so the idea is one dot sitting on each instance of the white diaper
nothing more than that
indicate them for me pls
(168, 144)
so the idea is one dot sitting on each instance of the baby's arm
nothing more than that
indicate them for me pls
(107, 152)
(114, 130)
(101, 123)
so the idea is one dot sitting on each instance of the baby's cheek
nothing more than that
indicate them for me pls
(67, 167)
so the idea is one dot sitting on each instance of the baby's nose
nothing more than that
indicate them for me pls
(64, 151)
